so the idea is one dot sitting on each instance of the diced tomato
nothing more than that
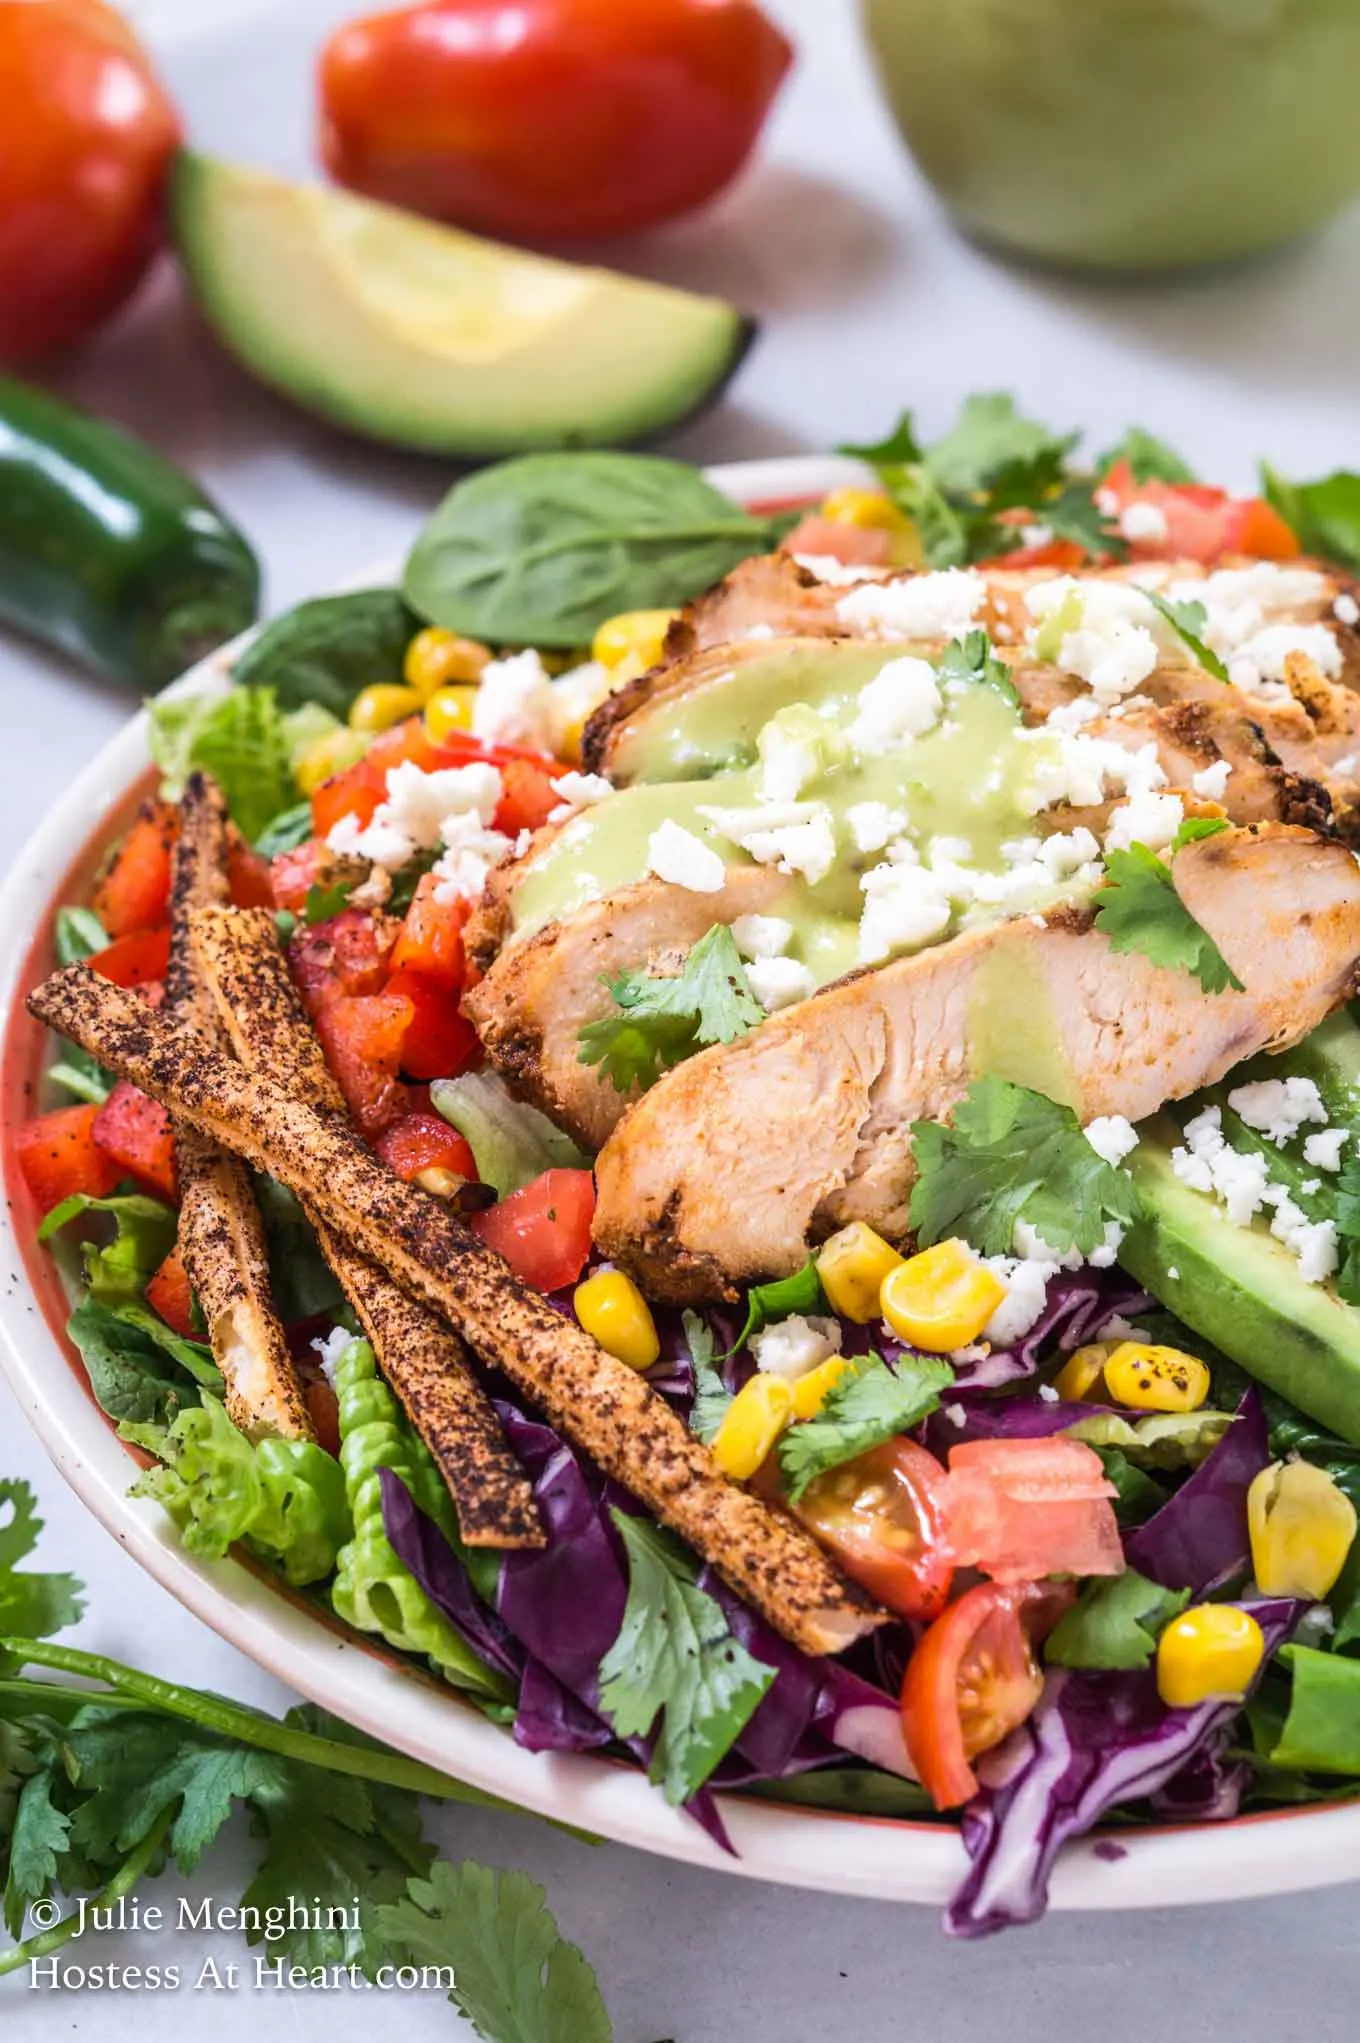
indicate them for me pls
(293, 874)
(171, 1295)
(324, 1412)
(834, 539)
(882, 1515)
(1258, 529)
(425, 1141)
(1063, 556)
(543, 1230)
(350, 954)
(362, 1038)
(431, 940)
(970, 1682)
(135, 1131)
(58, 1155)
(248, 877)
(1022, 1509)
(1202, 523)
(529, 796)
(135, 959)
(135, 891)
(440, 1041)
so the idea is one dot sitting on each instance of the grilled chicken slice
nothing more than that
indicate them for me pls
(734, 1162)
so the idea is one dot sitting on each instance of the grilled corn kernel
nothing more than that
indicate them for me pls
(636, 633)
(434, 658)
(1302, 1528)
(610, 1306)
(1081, 1372)
(751, 1424)
(1212, 1650)
(852, 1266)
(810, 1391)
(448, 710)
(941, 1298)
(379, 707)
(1151, 1379)
(333, 752)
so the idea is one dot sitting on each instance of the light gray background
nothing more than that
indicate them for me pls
(869, 303)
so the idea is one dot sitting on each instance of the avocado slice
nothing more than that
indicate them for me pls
(1240, 1288)
(424, 337)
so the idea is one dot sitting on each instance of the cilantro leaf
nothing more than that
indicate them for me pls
(1074, 514)
(676, 1660)
(971, 659)
(1187, 620)
(324, 902)
(38, 1842)
(864, 1407)
(516, 1978)
(660, 1022)
(901, 446)
(1148, 458)
(802, 1292)
(990, 437)
(711, 1395)
(1114, 1623)
(948, 538)
(133, 1766)
(1009, 1154)
(1138, 909)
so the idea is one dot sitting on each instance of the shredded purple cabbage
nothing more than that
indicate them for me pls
(1198, 1540)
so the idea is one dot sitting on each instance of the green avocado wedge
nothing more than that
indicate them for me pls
(1240, 1289)
(424, 337)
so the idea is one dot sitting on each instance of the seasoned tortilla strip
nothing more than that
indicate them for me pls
(599, 1404)
(220, 1235)
(237, 955)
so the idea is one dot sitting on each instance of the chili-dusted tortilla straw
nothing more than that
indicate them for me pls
(221, 1238)
(237, 955)
(596, 1402)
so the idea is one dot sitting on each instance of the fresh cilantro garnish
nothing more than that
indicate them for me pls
(1138, 909)
(662, 1021)
(1188, 620)
(1009, 1154)
(711, 1395)
(901, 446)
(864, 1407)
(1074, 514)
(324, 902)
(1148, 458)
(675, 1664)
(516, 1978)
(991, 440)
(971, 659)
(35, 1605)
(1114, 1623)
(802, 1292)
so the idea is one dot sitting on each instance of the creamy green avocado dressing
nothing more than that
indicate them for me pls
(970, 779)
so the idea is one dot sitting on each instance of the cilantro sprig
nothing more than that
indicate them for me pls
(1010, 1154)
(661, 1021)
(1188, 620)
(970, 659)
(1115, 1623)
(1138, 909)
(867, 1405)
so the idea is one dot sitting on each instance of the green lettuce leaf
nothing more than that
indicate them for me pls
(511, 1142)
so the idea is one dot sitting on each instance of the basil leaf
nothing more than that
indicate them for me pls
(539, 550)
(327, 650)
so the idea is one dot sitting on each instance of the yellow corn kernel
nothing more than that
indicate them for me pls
(1302, 1527)
(434, 658)
(751, 1424)
(1211, 1650)
(639, 634)
(1081, 1372)
(1154, 1379)
(333, 752)
(941, 1298)
(448, 710)
(810, 1391)
(870, 509)
(610, 1306)
(379, 707)
(852, 1266)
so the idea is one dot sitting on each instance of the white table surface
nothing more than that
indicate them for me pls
(869, 303)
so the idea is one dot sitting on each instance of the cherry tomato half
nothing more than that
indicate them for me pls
(970, 1681)
(882, 1516)
(85, 141)
(549, 119)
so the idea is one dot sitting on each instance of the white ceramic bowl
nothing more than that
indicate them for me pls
(880, 1857)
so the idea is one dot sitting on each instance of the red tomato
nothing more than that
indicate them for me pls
(58, 1155)
(425, 1141)
(970, 1681)
(362, 1037)
(85, 144)
(1022, 1509)
(1202, 523)
(543, 1230)
(529, 796)
(324, 1412)
(171, 1295)
(351, 953)
(440, 1041)
(1258, 529)
(293, 874)
(833, 539)
(136, 959)
(431, 940)
(135, 1131)
(248, 877)
(882, 1517)
(135, 891)
(652, 109)
(1063, 556)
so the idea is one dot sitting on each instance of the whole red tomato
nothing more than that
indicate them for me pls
(86, 133)
(549, 120)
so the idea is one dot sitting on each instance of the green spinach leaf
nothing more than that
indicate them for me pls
(327, 650)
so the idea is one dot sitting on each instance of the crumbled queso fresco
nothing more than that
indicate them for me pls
(1241, 1183)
